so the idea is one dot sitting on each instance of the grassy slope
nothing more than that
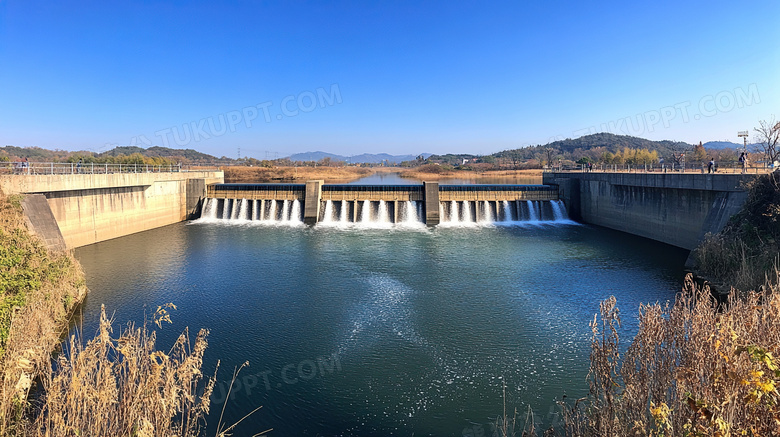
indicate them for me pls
(38, 289)
(747, 250)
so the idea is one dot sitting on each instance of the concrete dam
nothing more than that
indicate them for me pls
(77, 209)
(674, 208)
(74, 210)
(430, 203)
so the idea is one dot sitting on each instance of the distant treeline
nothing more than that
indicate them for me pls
(601, 148)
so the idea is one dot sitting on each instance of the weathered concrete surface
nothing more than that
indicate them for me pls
(41, 221)
(89, 208)
(677, 209)
(196, 192)
(431, 190)
(311, 205)
(15, 184)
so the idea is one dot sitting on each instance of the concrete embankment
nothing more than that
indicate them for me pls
(677, 209)
(89, 208)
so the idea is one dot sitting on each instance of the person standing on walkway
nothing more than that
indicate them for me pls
(743, 161)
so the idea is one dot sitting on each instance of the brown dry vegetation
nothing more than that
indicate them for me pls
(38, 289)
(123, 386)
(108, 386)
(237, 174)
(695, 368)
(434, 172)
(741, 255)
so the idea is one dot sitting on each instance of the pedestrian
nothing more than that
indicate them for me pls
(78, 166)
(743, 161)
(710, 166)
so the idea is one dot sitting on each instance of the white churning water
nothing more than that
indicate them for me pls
(246, 211)
(382, 214)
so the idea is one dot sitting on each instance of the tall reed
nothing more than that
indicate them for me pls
(112, 386)
(695, 368)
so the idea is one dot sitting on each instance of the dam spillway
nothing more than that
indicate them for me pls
(383, 205)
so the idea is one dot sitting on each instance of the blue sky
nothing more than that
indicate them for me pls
(275, 78)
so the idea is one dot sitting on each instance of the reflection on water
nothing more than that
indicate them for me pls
(381, 331)
(396, 179)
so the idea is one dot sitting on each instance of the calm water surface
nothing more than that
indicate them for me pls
(382, 332)
(396, 179)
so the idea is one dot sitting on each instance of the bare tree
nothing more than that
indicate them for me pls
(767, 137)
(549, 154)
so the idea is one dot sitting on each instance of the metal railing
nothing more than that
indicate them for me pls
(661, 168)
(69, 168)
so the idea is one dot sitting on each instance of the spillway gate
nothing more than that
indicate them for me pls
(355, 202)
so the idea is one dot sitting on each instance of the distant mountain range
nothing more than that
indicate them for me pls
(569, 147)
(368, 158)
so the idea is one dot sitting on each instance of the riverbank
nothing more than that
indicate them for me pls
(746, 252)
(340, 175)
(107, 385)
(701, 365)
(39, 289)
(331, 175)
(432, 172)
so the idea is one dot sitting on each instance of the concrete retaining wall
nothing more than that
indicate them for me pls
(92, 208)
(41, 221)
(677, 209)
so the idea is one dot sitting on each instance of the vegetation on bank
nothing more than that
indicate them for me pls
(107, 386)
(38, 289)
(238, 174)
(748, 248)
(124, 386)
(695, 368)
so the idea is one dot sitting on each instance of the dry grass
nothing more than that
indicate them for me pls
(108, 386)
(38, 290)
(125, 386)
(294, 174)
(695, 368)
(433, 172)
(748, 247)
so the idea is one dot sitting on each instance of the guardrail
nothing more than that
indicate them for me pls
(689, 169)
(68, 168)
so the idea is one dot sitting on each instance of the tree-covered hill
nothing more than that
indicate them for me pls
(593, 146)
(37, 154)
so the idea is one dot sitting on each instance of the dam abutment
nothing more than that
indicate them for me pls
(88, 208)
(677, 209)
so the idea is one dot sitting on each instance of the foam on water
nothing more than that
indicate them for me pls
(378, 214)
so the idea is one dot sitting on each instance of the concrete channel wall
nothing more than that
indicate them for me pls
(89, 208)
(677, 209)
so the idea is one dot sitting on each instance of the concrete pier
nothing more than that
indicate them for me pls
(432, 203)
(311, 206)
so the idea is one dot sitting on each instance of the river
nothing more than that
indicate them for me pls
(382, 331)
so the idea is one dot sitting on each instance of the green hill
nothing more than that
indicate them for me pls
(593, 146)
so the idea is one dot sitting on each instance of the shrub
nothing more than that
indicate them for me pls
(695, 368)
